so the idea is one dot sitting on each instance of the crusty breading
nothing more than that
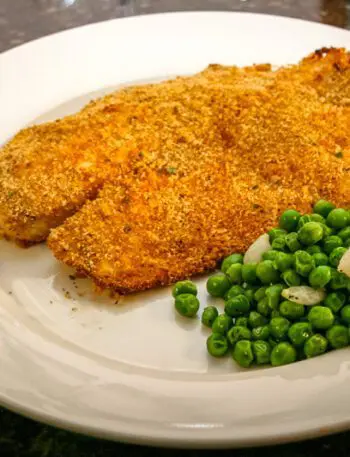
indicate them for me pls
(212, 183)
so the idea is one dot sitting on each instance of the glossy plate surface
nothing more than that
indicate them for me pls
(134, 370)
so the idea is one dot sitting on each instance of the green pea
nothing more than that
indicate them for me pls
(335, 301)
(237, 306)
(279, 328)
(273, 295)
(261, 351)
(345, 314)
(230, 260)
(339, 280)
(222, 324)
(320, 259)
(289, 220)
(217, 345)
(292, 242)
(278, 243)
(291, 310)
(241, 322)
(260, 293)
(218, 285)
(338, 218)
(243, 353)
(327, 231)
(303, 220)
(321, 317)
(210, 313)
(234, 273)
(238, 333)
(249, 293)
(332, 242)
(338, 336)
(276, 232)
(283, 354)
(187, 305)
(336, 255)
(284, 261)
(320, 276)
(234, 291)
(310, 233)
(315, 249)
(249, 273)
(299, 332)
(304, 263)
(291, 278)
(315, 345)
(256, 319)
(270, 255)
(323, 207)
(317, 218)
(263, 307)
(267, 272)
(344, 234)
(184, 287)
(261, 333)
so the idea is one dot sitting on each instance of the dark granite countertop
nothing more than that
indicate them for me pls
(25, 20)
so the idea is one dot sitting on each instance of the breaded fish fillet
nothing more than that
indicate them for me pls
(211, 190)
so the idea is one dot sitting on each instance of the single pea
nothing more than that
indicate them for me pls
(276, 232)
(321, 317)
(279, 243)
(291, 278)
(336, 255)
(338, 336)
(238, 333)
(339, 280)
(222, 324)
(218, 285)
(237, 306)
(210, 313)
(282, 354)
(279, 328)
(256, 319)
(292, 242)
(261, 333)
(234, 273)
(267, 272)
(300, 332)
(320, 276)
(249, 273)
(338, 218)
(335, 301)
(345, 314)
(291, 310)
(344, 234)
(234, 291)
(263, 307)
(187, 305)
(332, 242)
(243, 353)
(304, 263)
(315, 249)
(289, 220)
(217, 345)
(310, 233)
(270, 255)
(249, 293)
(241, 321)
(260, 293)
(230, 260)
(323, 207)
(303, 220)
(184, 287)
(315, 345)
(261, 351)
(317, 218)
(284, 261)
(320, 259)
(273, 295)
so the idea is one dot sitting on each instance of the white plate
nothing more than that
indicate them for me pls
(135, 371)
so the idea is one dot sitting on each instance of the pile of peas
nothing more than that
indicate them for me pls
(258, 326)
